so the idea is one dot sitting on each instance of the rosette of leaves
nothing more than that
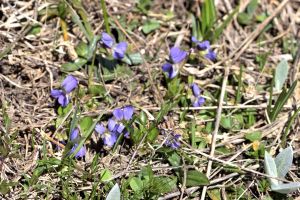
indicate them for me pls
(279, 167)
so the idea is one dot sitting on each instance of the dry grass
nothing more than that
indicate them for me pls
(31, 69)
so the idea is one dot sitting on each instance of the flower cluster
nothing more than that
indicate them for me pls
(173, 143)
(63, 95)
(177, 57)
(116, 50)
(73, 136)
(196, 98)
(113, 130)
(203, 47)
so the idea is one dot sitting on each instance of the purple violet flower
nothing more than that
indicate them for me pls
(116, 50)
(81, 151)
(63, 95)
(176, 60)
(109, 135)
(196, 99)
(205, 46)
(125, 114)
(174, 144)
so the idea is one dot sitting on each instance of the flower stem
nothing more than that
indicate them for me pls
(91, 70)
(105, 17)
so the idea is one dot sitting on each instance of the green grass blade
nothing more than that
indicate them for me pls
(84, 18)
(219, 30)
(282, 99)
(88, 134)
(193, 143)
(271, 93)
(73, 120)
(78, 22)
(105, 17)
(238, 94)
(289, 126)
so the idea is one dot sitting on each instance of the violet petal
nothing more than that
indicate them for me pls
(118, 113)
(167, 67)
(100, 129)
(110, 139)
(57, 93)
(107, 40)
(80, 153)
(63, 100)
(194, 39)
(211, 55)
(172, 73)
(111, 124)
(69, 83)
(74, 134)
(196, 89)
(128, 112)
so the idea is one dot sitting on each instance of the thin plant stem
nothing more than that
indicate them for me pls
(91, 70)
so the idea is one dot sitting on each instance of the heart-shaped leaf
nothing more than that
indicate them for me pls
(82, 49)
(194, 178)
(149, 25)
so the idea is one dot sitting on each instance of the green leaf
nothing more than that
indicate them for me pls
(195, 178)
(114, 194)
(214, 194)
(163, 184)
(152, 135)
(69, 67)
(149, 25)
(284, 161)
(254, 136)
(282, 99)
(95, 162)
(270, 168)
(86, 135)
(85, 123)
(34, 30)
(149, 171)
(91, 48)
(281, 74)
(208, 15)
(143, 117)
(252, 7)
(222, 150)
(286, 188)
(195, 28)
(226, 122)
(219, 30)
(77, 20)
(97, 90)
(136, 184)
(105, 174)
(175, 160)
(243, 18)
(82, 49)
(134, 58)
(261, 17)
